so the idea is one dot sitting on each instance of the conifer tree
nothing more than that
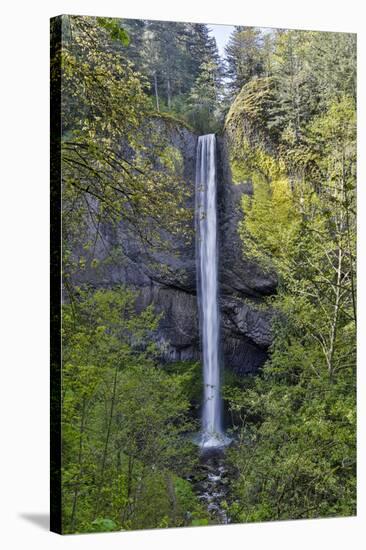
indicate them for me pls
(243, 57)
(204, 97)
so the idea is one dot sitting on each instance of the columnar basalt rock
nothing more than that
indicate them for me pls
(167, 279)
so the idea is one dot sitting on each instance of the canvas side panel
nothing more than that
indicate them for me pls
(55, 273)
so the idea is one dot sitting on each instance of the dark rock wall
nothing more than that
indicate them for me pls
(167, 279)
(246, 332)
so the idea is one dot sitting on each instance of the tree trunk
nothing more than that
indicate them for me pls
(129, 506)
(169, 92)
(80, 455)
(349, 240)
(105, 450)
(172, 497)
(156, 91)
(333, 328)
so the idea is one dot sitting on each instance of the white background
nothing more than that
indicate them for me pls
(24, 272)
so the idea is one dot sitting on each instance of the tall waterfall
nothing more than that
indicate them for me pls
(207, 290)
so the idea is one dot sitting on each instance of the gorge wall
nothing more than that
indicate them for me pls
(167, 278)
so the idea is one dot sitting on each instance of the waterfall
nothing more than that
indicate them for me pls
(207, 290)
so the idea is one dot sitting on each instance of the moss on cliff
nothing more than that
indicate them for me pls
(172, 120)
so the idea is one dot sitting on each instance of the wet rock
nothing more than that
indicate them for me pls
(212, 491)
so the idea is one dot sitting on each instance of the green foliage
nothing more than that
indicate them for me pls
(111, 147)
(296, 453)
(204, 98)
(115, 30)
(244, 56)
(172, 56)
(190, 508)
(199, 522)
(303, 72)
(190, 373)
(104, 524)
(295, 423)
(124, 420)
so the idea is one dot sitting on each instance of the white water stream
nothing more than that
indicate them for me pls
(212, 435)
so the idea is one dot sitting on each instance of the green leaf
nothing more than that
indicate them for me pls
(104, 524)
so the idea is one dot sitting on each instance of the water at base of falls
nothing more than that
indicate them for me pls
(208, 442)
(212, 435)
(212, 485)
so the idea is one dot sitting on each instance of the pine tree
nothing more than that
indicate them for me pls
(294, 82)
(169, 41)
(243, 57)
(201, 47)
(333, 63)
(134, 51)
(204, 97)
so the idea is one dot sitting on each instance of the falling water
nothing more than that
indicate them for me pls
(206, 229)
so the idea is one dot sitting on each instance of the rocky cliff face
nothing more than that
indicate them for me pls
(167, 279)
(246, 332)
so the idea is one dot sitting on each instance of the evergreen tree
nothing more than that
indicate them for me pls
(169, 41)
(204, 98)
(135, 29)
(151, 63)
(171, 56)
(332, 57)
(243, 57)
(268, 43)
(201, 47)
(294, 82)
